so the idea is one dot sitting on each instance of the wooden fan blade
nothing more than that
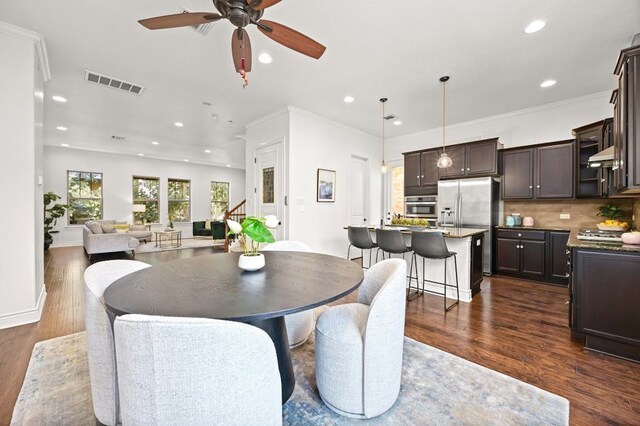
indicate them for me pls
(179, 20)
(291, 38)
(265, 4)
(240, 44)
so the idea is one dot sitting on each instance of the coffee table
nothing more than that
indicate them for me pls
(169, 235)
(212, 286)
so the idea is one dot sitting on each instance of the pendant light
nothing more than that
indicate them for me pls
(383, 169)
(444, 161)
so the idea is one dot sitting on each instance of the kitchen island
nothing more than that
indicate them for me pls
(605, 296)
(466, 242)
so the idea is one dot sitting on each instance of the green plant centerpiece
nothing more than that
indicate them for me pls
(410, 222)
(612, 214)
(257, 230)
(51, 216)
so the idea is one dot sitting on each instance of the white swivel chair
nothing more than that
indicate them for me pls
(194, 371)
(359, 345)
(100, 345)
(299, 325)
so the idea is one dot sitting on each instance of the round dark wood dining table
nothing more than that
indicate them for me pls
(213, 286)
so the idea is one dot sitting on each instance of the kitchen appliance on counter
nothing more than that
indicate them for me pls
(471, 203)
(422, 207)
(527, 221)
(598, 235)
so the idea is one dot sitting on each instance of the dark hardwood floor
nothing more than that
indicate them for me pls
(513, 326)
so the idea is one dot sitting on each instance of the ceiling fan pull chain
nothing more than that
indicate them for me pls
(243, 73)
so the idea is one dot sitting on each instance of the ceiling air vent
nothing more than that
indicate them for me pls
(115, 83)
(202, 29)
(117, 138)
(390, 117)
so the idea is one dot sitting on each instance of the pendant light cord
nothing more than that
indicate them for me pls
(382, 101)
(444, 113)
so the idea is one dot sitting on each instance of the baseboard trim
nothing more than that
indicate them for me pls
(67, 244)
(25, 317)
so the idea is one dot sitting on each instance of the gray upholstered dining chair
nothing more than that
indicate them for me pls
(299, 325)
(359, 345)
(194, 371)
(100, 344)
(360, 237)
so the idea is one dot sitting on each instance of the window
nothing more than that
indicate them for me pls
(146, 191)
(84, 195)
(179, 200)
(268, 187)
(219, 198)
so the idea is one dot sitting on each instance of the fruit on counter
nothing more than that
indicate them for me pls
(611, 222)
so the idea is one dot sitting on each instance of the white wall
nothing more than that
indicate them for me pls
(316, 142)
(118, 171)
(546, 123)
(22, 291)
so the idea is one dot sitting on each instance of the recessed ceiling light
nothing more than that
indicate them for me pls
(64, 144)
(141, 155)
(178, 124)
(228, 165)
(155, 143)
(64, 129)
(547, 83)
(185, 160)
(59, 99)
(207, 151)
(535, 26)
(265, 58)
(349, 99)
(397, 123)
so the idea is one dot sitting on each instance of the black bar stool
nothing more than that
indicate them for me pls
(390, 241)
(360, 237)
(431, 245)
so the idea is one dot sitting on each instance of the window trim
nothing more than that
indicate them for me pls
(69, 202)
(188, 200)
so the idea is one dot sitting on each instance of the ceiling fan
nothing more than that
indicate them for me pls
(242, 13)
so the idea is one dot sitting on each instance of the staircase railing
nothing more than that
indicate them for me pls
(238, 214)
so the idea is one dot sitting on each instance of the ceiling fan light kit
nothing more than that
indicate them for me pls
(241, 13)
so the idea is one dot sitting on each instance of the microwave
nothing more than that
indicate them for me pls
(421, 206)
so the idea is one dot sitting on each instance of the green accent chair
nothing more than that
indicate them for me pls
(216, 232)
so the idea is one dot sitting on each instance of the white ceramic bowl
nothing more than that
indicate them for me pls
(611, 228)
(631, 238)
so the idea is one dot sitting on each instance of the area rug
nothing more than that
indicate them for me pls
(437, 389)
(150, 247)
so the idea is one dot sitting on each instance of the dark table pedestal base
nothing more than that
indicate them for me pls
(276, 329)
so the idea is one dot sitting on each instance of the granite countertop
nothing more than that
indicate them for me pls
(574, 242)
(448, 232)
(534, 228)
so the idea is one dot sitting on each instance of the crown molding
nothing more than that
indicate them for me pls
(266, 118)
(37, 39)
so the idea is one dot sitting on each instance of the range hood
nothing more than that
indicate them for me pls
(602, 159)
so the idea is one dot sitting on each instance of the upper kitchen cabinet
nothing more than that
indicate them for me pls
(538, 172)
(626, 123)
(592, 182)
(421, 172)
(473, 159)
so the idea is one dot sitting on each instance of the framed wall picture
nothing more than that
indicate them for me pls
(326, 186)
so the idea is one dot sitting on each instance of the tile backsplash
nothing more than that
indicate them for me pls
(583, 212)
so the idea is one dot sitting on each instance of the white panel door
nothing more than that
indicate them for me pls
(270, 185)
(359, 191)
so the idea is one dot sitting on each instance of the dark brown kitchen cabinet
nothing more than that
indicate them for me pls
(532, 254)
(421, 172)
(554, 171)
(521, 253)
(605, 295)
(592, 182)
(479, 158)
(626, 137)
(538, 172)
(517, 174)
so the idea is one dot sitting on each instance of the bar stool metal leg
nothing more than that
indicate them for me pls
(349, 252)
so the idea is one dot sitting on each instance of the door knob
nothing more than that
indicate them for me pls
(538, 186)
(468, 168)
(530, 186)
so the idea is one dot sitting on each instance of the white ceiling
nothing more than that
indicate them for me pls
(374, 48)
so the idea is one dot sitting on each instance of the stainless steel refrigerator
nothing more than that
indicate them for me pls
(471, 203)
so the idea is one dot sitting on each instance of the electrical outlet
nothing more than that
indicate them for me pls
(565, 216)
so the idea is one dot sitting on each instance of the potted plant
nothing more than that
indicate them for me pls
(611, 214)
(51, 216)
(257, 229)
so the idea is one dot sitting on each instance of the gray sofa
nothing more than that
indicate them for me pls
(96, 240)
